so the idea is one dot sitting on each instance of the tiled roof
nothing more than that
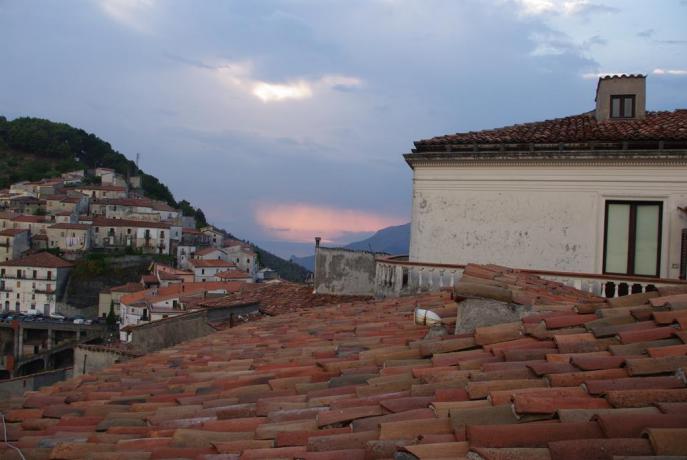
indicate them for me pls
(104, 188)
(55, 197)
(128, 287)
(40, 237)
(66, 226)
(105, 222)
(180, 289)
(31, 219)
(280, 298)
(141, 202)
(657, 126)
(41, 259)
(233, 275)
(167, 276)
(212, 263)
(362, 381)
(208, 250)
(12, 231)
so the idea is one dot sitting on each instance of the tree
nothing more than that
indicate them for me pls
(111, 319)
(201, 221)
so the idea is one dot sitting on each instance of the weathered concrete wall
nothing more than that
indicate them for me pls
(538, 217)
(89, 359)
(343, 271)
(170, 331)
(17, 386)
(617, 86)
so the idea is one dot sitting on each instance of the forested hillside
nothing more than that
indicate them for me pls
(34, 148)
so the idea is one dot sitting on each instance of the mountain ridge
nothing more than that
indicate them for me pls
(393, 240)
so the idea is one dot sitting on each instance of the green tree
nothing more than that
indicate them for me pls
(111, 319)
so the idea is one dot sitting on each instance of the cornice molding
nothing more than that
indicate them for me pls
(582, 159)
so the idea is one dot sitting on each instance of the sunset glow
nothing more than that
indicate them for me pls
(301, 222)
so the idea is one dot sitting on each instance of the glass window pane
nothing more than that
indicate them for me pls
(646, 243)
(615, 106)
(617, 238)
(627, 109)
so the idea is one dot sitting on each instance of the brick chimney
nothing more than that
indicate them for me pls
(621, 97)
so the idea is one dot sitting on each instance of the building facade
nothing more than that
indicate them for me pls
(600, 192)
(14, 242)
(148, 237)
(69, 237)
(33, 283)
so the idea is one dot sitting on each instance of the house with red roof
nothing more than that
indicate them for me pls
(34, 224)
(243, 255)
(601, 192)
(113, 296)
(207, 270)
(102, 191)
(34, 282)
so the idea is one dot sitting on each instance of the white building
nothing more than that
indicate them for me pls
(69, 237)
(216, 237)
(211, 253)
(206, 270)
(33, 282)
(599, 192)
(244, 257)
(148, 237)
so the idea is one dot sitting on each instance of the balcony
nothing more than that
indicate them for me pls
(396, 276)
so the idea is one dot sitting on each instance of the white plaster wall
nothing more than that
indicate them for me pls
(548, 218)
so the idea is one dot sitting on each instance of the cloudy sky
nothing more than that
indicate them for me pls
(287, 119)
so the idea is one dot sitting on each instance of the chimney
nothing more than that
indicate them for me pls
(621, 97)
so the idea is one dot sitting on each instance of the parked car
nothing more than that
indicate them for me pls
(79, 321)
(32, 312)
(57, 316)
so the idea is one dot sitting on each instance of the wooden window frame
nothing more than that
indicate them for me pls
(632, 236)
(622, 97)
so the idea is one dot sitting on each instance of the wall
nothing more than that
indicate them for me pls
(89, 358)
(620, 86)
(17, 386)
(69, 310)
(343, 271)
(539, 217)
(170, 331)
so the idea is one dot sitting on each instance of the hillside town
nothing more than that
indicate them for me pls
(49, 226)
(465, 238)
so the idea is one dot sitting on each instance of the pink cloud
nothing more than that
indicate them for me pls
(302, 222)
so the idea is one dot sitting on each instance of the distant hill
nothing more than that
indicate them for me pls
(392, 240)
(33, 148)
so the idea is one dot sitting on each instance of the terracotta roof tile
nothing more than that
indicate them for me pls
(577, 128)
(359, 379)
(41, 259)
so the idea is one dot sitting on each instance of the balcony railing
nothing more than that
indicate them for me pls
(395, 276)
